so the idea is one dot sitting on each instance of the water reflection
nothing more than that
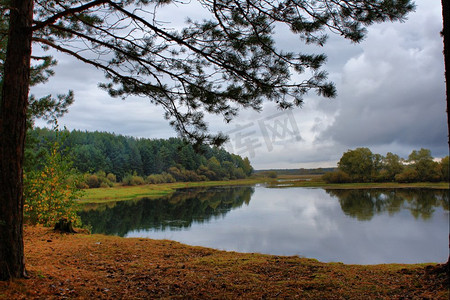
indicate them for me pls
(364, 204)
(178, 211)
(350, 226)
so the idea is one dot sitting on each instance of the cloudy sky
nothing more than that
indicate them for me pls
(391, 98)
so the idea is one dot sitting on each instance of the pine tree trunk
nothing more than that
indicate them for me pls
(446, 37)
(12, 138)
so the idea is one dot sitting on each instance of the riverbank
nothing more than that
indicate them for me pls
(292, 181)
(86, 266)
(153, 191)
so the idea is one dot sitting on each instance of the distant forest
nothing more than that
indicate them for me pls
(123, 158)
(302, 171)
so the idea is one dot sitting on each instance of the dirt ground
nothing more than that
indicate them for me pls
(83, 266)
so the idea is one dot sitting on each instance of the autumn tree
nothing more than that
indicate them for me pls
(392, 165)
(358, 164)
(361, 165)
(422, 162)
(225, 62)
(50, 192)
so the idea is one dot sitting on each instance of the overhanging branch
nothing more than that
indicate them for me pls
(67, 12)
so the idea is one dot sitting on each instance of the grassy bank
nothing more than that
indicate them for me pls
(84, 266)
(316, 181)
(121, 193)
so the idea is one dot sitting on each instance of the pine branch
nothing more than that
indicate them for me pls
(66, 12)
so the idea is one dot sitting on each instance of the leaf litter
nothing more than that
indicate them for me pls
(84, 266)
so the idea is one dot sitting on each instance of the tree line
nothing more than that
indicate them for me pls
(361, 165)
(105, 158)
(186, 207)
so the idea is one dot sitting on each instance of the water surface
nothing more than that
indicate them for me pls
(368, 226)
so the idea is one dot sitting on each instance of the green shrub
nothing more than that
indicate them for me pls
(272, 174)
(111, 177)
(336, 177)
(104, 185)
(154, 179)
(92, 181)
(408, 175)
(238, 173)
(167, 178)
(133, 180)
(160, 178)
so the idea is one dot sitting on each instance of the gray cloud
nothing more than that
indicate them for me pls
(391, 97)
(393, 92)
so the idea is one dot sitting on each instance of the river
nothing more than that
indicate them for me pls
(364, 226)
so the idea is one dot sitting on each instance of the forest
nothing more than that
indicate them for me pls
(105, 158)
(361, 165)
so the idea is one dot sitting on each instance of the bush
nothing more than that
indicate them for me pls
(99, 179)
(382, 176)
(133, 180)
(238, 173)
(137, 180)
(272, 174)
(154, 179)
(177, 174)
(160, 178)
(205, 171)
(92, 181)
(111, 177)
(192, 176)
(104, 185)
(168, 178)
(408, 175)
(82, 185)
(336, 177)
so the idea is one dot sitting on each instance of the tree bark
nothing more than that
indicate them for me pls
(12, 138)
(446, 38)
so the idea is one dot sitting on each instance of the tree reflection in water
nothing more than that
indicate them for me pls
(363, 204)
(177, 211)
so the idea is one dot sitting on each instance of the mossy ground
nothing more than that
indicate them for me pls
(84, 266)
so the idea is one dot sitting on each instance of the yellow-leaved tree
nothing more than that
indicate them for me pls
(51, 190)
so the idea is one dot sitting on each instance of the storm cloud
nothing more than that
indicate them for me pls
(391, 98)
(394, 91)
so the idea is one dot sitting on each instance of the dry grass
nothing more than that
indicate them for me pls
(82, 266)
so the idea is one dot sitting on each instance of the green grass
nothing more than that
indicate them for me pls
(122, 193)
(370, 185)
